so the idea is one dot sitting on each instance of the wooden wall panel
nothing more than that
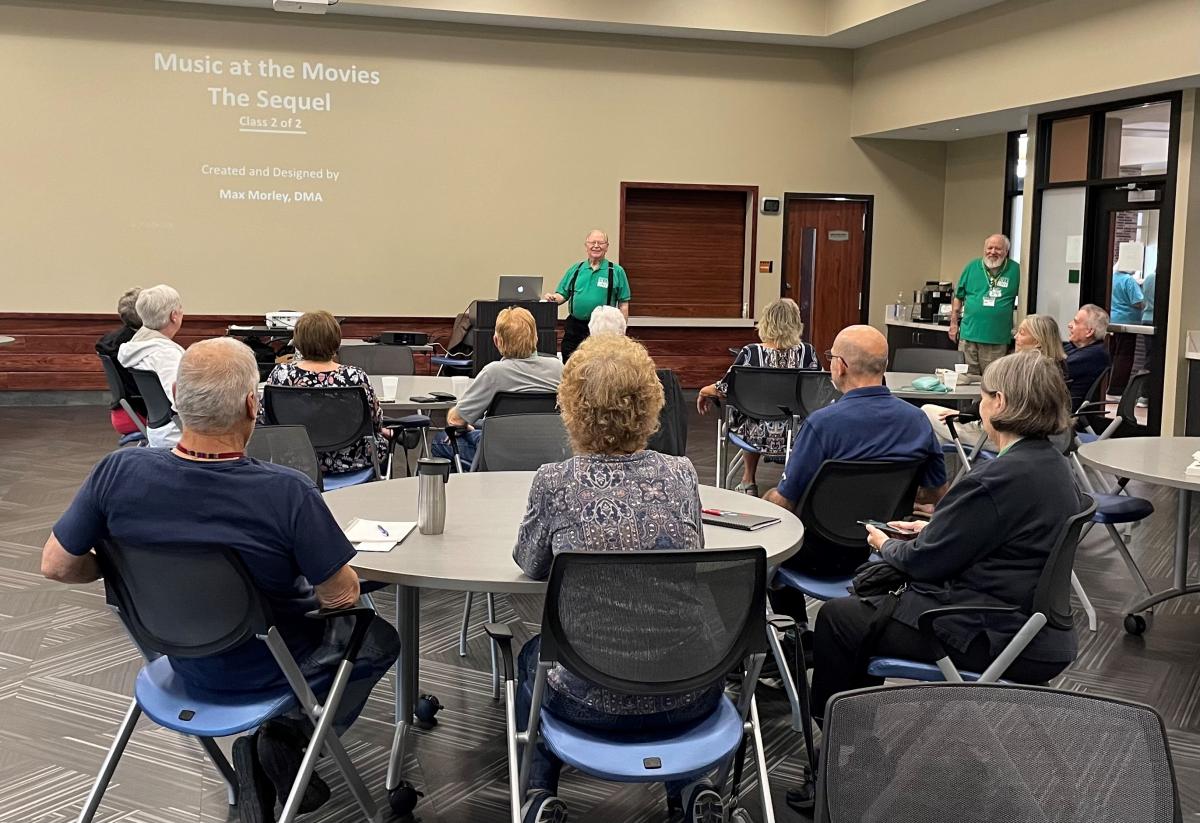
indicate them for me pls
(56, 352)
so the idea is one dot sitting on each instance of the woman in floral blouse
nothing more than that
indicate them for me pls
(317, 338)
(614, 495)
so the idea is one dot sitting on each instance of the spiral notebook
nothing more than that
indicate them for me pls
(377, 535)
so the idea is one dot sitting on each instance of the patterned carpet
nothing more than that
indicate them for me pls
(66, 670)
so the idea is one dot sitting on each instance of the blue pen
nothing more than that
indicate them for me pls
(382, 530)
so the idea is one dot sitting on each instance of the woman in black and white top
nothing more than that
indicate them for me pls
(780, 329)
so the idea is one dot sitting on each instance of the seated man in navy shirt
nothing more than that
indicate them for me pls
(1087, 357)
(867, 423)
(205, 490)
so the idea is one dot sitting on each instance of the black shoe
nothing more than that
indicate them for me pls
(803, 798)
(256, 794)
(280, 750)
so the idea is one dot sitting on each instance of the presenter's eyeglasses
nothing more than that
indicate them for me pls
(600, 243)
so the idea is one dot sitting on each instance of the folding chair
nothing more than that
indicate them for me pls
(335, 418)
(717, 607)
(286, 446)
(1049, 604)
(842, 493)
(198, 601)
(993, 753)
(158, 406)
(120, 400)
(512, 443)
(926, 361)
(761, 395)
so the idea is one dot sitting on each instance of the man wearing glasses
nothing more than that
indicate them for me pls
(867, 423)
(595, 281)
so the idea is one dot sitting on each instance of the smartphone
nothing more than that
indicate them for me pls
(888, 530)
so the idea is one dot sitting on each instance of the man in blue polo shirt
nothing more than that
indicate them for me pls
(867, 423)
(206, 491)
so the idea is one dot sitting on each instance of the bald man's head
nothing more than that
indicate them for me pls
(863, 350)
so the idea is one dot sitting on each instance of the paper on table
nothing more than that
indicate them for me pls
(377, 535)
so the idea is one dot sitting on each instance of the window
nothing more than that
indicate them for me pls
(1014, 190)
(1137, 140)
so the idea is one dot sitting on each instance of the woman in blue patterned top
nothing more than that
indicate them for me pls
(780, 329)
(614, 495)
(317, 338)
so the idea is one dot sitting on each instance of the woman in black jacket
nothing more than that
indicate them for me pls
(987, 543)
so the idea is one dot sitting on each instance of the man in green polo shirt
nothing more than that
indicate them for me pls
(981, 315)
(594, 281)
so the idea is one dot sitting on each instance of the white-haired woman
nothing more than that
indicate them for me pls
(153, 348)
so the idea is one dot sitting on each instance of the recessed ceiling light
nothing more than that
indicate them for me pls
(958, 129)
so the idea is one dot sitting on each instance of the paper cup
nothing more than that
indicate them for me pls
(389, 388)
(961, 368)
(950, 379)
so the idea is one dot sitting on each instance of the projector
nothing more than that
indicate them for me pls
(302, 6)
(403, 338)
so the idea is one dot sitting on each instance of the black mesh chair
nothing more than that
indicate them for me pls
(335, 418)
(197, 601)
(652, 623)
(378, 359)
(671, 436)
(1091, 412)
(513, 443)
(505, 403)
(954, 752)
(122, 399)
(1049, 604)
(286, 446)
(759, 394)
(158, 407)
(926, 361)
(816, 392)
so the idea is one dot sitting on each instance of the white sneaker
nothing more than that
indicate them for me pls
(543, 807)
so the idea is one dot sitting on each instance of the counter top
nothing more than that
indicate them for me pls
(916, 324)
(698, 322)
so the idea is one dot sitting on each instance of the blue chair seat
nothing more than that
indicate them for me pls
(901, 669)
(132, 437)
(340, 480)
(743, 444)
(821, 588)
(166, 699)
(620, 756)
(1121, 508)
(450, 362)
(1087, 437)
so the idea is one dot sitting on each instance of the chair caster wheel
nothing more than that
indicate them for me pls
(740, 816)
(426, 712)
(403, 798)
(1135, 624)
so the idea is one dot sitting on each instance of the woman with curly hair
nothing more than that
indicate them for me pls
(613, 495)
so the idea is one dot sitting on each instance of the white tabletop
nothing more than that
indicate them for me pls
(483, 513)
(5, 339)
(896, 380)
(1157, 460)
(416, 385)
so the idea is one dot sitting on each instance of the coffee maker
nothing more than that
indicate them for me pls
(933, 302)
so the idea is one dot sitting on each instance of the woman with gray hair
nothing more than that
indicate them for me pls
(153, 348)
(110, 345)
(780, 329)
(606, 320)
(987, 544)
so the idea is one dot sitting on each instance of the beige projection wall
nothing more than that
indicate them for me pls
(974, 199)
(477, 153)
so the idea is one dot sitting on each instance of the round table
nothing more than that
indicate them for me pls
(474, 553)
(1162, 462)
(896, 380)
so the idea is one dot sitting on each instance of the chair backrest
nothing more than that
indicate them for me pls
(522, 402)
(335, 418)
(158, 406)
(1095, 394)
(1052, 596)
(845, 491)
(378, 358)
(925, 361)
(764, 393)
(112, 376)
(655, 622)
(183, 601)
(286, 446)
(816, 391)
(939, 752)
(671, 437)
(522, 442)
(1127, 406)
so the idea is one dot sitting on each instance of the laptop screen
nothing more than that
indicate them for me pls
(519, 287)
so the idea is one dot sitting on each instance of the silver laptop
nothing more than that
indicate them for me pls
(519, 287)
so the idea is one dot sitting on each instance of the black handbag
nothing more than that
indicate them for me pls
(877, 577)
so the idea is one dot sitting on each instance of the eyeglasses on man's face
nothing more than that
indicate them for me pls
(829, 355)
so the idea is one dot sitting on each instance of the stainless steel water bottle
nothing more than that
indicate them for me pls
(432, 475)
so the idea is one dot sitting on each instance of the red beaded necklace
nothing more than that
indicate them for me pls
(208, 455)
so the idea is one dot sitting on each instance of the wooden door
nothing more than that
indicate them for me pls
(824, 255)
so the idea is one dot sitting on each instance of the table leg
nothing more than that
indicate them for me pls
(408, 626)
(1183, 524)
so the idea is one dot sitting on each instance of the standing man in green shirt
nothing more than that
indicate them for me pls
(594, 281)
(981, 314)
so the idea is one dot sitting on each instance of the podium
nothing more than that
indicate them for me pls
(482, 314)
